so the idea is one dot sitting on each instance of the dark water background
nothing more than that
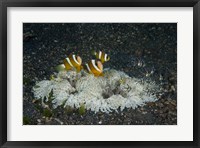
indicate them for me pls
(146, 51)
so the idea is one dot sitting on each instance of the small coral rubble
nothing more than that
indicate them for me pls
(115, 90)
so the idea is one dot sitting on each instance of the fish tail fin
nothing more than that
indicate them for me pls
(94, 52)
(108, 59)
(60, 67)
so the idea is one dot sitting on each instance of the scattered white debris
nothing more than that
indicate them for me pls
(58, 120)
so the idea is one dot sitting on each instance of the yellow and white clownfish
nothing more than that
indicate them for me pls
(94, 67)
(101, 56)
(73, 61)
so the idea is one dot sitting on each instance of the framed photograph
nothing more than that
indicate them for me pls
(99, 73)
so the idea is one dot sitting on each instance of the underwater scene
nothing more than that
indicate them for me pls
(99, 74)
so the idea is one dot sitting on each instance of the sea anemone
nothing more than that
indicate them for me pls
(115, 90)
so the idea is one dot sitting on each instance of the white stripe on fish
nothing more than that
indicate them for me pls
(100, 53)
(88, 68)
(105, 57)
(68, 60)
(93, 63)
(74, 58)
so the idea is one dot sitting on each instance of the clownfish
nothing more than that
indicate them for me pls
(94, 67)
(71, 62)
(101, 56)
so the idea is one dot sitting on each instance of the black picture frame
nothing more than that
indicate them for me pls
(4, 4)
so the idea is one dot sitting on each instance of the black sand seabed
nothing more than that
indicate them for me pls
(145, 51)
